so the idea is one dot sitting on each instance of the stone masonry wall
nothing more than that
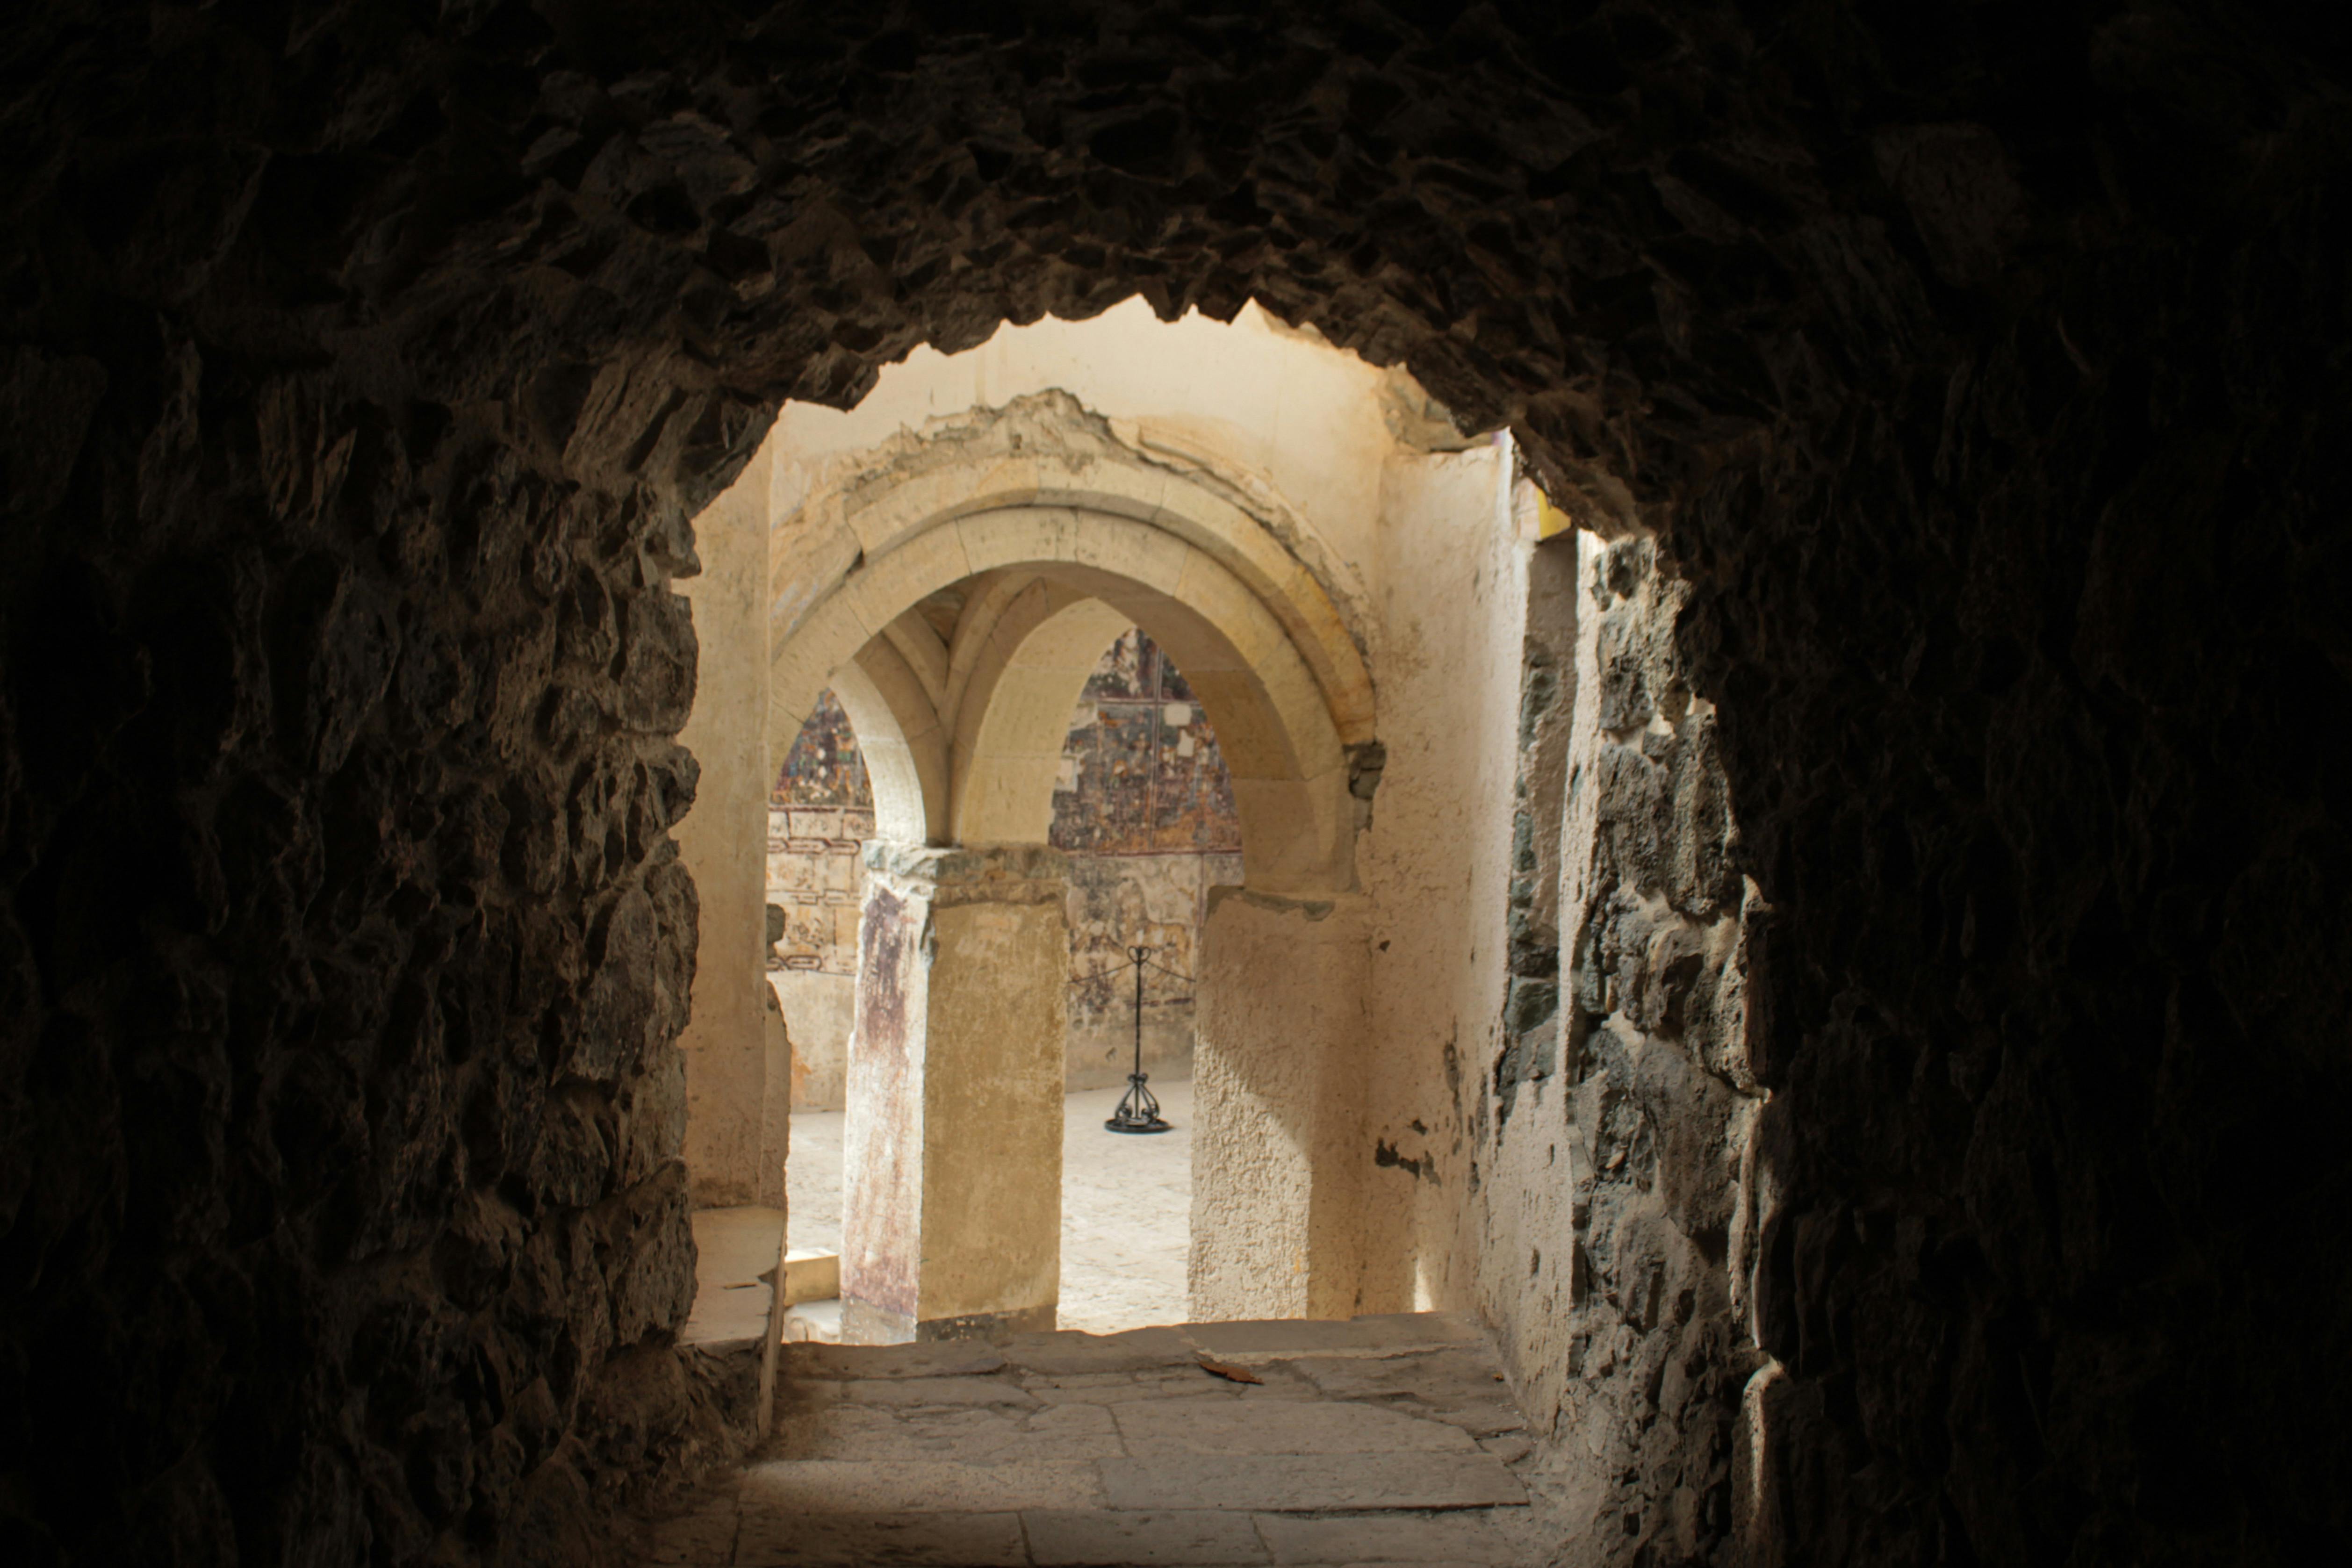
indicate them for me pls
(375, 1083)
(1644, 1030)
(1972, 371)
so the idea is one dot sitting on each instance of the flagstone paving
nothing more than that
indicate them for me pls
(1386, 1440)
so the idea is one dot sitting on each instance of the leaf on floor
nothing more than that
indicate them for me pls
(1230, 1373)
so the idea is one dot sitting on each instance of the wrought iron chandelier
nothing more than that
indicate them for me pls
(1138, 1111)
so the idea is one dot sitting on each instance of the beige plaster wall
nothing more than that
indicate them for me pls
(1278, 1079)
(1309, 424)
(1435, 862)
(1512, 1260)
(734, 1153)
(815, 876)
(821, 1007)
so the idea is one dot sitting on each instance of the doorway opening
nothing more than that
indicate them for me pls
(1143, 808)
(1248, 521)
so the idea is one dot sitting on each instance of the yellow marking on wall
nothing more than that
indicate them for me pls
(1550, 522)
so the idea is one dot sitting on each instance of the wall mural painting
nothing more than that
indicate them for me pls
(1143, 807)
(820, 811)
(1146, 811)
(1141, 772)
(824, 767)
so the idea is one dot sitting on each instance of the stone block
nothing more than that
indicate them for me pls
(1384, 1334)
(1065, 1355)
(811, 1275)
(940, 1392)
(859, 1433)
(738, 1254)
(843, 1362)
(1464, 1387)
(704, 1538)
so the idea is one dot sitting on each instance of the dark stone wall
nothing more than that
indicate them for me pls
(1976, 369)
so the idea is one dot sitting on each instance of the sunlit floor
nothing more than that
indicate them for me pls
(1126, 1207)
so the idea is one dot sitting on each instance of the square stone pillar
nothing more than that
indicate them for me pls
(951, 1158)
(1282, 1042)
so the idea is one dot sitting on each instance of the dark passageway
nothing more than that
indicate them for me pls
(1953, 964)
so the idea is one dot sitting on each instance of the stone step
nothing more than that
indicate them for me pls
(812, 1274)
(739, 1254)
(1373, 1439)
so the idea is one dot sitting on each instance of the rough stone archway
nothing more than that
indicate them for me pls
(1973, 371)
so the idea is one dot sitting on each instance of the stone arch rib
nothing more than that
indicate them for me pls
(1266, 650)
(1047, 453)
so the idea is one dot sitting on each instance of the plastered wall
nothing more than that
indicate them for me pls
(736, 1096)
(1253, 396)
(1437, 866)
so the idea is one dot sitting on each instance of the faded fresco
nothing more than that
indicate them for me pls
(1143, 807)
(821, 809)
(1141, 770)
(814, 877)
(823, 767)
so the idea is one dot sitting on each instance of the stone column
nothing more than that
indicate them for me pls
(952, 1164)
(1282, 1042)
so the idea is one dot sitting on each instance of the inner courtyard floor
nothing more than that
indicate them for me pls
(1126, 1209)
(1390, 1440)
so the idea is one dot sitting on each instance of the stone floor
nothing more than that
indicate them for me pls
(1379, 1440)
(1126, 1207)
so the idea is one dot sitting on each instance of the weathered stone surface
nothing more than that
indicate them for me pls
(1198, 1537)
(962, 954)
(913, 1541)
(1154, 1428)
(1384, 1538)
(1349, 1480)
(1973, 371)
(898, 1484)
(1165, 1466)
